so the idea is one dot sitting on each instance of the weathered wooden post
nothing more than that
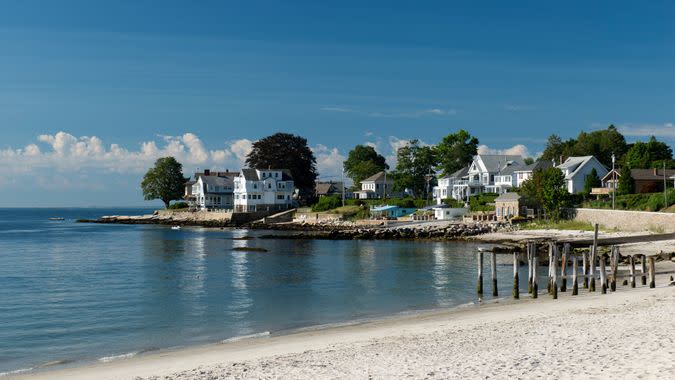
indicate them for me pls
(516, 289)
(614, 262)
(563, 269)
(603, 274)
(554, 279)
(643, 259)
(535, 264)
(493, 269)
(652, 272)
(591, 270)
(584, 268)
(575, 269)
(550, 267)
(479, 286)
(632, 271)
(529, 267)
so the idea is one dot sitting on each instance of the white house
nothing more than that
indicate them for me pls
(211, 190)
(376, 186)
(488, 173)
(576, 169)
(445, 183)
(449, 213)
(524, 173)
(261, 190)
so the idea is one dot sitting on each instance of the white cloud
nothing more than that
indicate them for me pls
(328, 161)
(519, 150)
(518, 108)
(66, 154)
(666, 130)
(394, 114)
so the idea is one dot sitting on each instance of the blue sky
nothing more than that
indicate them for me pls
(201, 80)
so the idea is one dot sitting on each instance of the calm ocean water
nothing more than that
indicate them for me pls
(72, 292)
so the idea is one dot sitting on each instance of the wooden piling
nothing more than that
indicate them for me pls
(554, 280)
(603, 275)
(550, 267)
(535, 264)
(643, 266)
(631, 268)
(563, 269)
(591, 270)
(652, 272)
(615, 267)
(516, 288)
(493, 269)
(479, 286)
(530, 259)
(575, 269)
(584, 268)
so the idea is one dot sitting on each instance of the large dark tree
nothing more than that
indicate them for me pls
(413, 163)
(651, 154)
(164, 181)
(601, 144)
(286, 151)
(362, 162)
(626, 183)
(592, 180)
(555, 148)
(456, 151)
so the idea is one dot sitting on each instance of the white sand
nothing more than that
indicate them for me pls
(626, 334)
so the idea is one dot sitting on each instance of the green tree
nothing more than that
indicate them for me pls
(626, 183)
(601, 144)
(592, 180)
(547, 188)
(555, 148)
(362, 162)
(648, 155)
(456, 151)
(164, 181)
(286, 151)
(528, 160)
(414, 162)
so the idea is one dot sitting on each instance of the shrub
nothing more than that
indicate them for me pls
(483, 202)
(454, 203)
(326, 203)
(178, 206)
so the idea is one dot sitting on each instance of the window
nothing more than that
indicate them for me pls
(269, 185)
(259, 196)
(276, 175)
(280, 197)
(255, 185)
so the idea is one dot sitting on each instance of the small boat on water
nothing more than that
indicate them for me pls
(57, 218)
(175, 227)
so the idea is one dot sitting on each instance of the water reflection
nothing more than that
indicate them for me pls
(439, 273)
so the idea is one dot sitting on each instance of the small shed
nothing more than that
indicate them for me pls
(510, 205)
(388, 211)
(449, 213)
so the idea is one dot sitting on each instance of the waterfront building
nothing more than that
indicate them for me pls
(576, 169)
(263, 190)
(210, 190)
(376, 186)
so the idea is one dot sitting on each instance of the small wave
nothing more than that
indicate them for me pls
(54, 362)
(245, 337)
(16, 372)
(128, 355)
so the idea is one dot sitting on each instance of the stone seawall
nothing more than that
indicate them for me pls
(627, 220)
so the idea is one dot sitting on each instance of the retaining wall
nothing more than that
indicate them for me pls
(627, 220)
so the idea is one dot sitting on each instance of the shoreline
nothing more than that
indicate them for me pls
(301, 351)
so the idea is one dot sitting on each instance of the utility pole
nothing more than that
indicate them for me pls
(342, 184)
(384, 185)
(613, 181)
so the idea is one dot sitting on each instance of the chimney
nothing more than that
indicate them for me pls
(207, 172)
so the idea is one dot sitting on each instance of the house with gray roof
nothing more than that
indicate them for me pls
(376, 186)
(576, 169)
(263, 190)
(488, 173)
(210, 190)
(445, 183)
(524, 173)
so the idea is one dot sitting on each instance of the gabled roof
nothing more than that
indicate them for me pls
(326, 188)
(609, 176)
(574, 164)
(650, 174)
(539, 165)
(378, 177)
(458, 174)
(252, 174)
(494, 162)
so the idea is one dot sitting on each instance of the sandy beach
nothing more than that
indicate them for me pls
(626, 334)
